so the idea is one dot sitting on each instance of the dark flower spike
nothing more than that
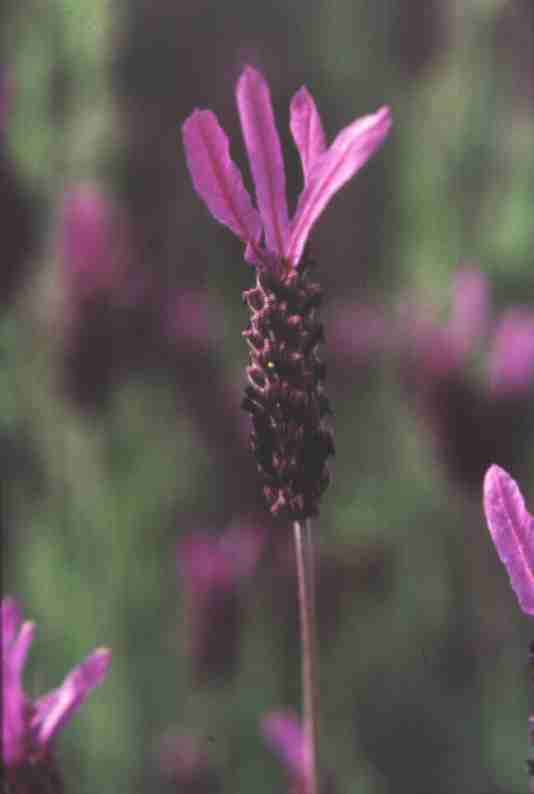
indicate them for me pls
(512, 530)
(285, 392)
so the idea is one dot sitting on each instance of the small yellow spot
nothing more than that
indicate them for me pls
(270, 365)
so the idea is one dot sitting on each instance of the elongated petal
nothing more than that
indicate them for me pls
(307, 129)
(11, 618)
(52, 710)
(265, 156)
(348, 153)
(512, 530)
(216, 177)
(14, 706)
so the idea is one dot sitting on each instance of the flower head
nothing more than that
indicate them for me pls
(512, 530)
(29, 727)
(219, 183)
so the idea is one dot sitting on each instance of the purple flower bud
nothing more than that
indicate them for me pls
(28, 727)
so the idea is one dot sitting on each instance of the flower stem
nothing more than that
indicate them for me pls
(306, 595)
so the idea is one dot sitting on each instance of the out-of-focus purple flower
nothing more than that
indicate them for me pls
(214, 569)
(511, 358)
(282, 730)
(28, 727)
(206, 560)
(87, 242)
(358, 330)
(512, 530)
(326, 169)
(441, 348)
(475, 420)
(470, 311)
(192, 321)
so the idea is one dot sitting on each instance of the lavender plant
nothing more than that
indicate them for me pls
(29, 727)
(285, 397)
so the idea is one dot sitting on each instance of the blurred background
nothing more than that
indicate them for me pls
(132, 516)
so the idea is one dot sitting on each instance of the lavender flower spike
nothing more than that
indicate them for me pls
(285, 394)
(512, 530)
(219, 183)
(29, 727)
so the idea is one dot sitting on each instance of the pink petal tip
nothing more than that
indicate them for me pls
(512, 531)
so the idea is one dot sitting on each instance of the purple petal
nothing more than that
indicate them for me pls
(306, 129)
(283, 733)
(349, 152)
(216, 177)
(512, 530)
(265, 157)
(511, 360)
(52, 710)
(14, 707)
(11, 618)
(470, 310)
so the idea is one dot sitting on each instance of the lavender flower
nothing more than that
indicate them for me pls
(512, 530)
(284, 395)
(475, 420)
(28, 728)
(88, 242)
(213, 570)
(283, 733)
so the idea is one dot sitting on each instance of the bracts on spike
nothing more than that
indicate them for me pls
(285, 394)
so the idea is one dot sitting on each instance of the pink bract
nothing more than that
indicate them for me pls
(218, 181)
(512, 529)
(28, 727)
